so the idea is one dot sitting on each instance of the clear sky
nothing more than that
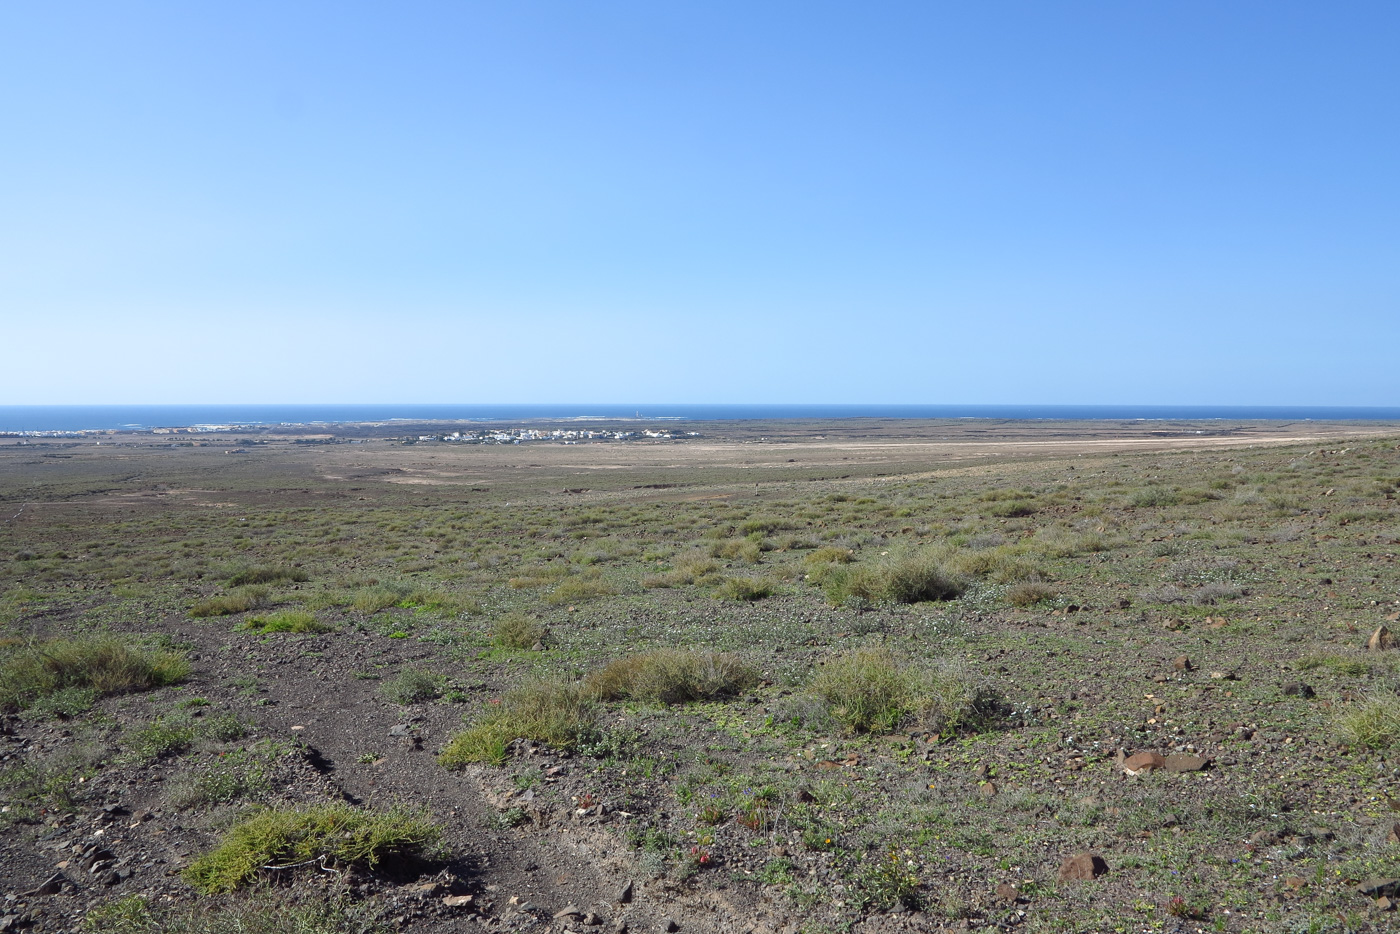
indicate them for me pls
(985, 202)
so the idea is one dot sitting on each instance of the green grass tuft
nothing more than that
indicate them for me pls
(517, 631)
(284, 836)
(553, 712)
(82, 669)
(1374, 723)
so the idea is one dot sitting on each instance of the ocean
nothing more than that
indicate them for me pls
(139, 417)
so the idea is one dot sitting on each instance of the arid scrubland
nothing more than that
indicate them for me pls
(1041, 680)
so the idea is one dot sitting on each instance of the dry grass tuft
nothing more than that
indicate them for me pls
(671, 676)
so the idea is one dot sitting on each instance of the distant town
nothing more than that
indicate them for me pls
(558, 435)
(481, 436)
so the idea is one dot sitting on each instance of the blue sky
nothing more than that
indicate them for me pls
(661, 202)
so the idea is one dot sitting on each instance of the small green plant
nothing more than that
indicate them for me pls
(329, 834)
(516, 631)
(889, 882)
(226, 775)
(35, 670)
(64, 704)
(413, 686)
(299, 621)
(553, 712)
(776, 872)
(509, 818)
(671, 676)
(161, 738)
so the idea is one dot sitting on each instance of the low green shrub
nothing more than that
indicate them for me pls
(871, 691)
(338, 834)
(743, 589)
(372, 599)
(868, 690)
(265, 574)
(265, 913)
(671, 676)
(743, 549)
(913, 578)
(1029, 594)
(690, 569)
(828, 554)
(84, 668)
(580, 588)
(413, 686)
(1009, 508)
(553, 712)
(236, 601)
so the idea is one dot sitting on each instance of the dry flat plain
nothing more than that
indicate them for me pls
(839, 676)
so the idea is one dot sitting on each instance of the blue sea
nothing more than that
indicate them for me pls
(139, 417)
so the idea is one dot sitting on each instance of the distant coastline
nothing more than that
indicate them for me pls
(82, 418)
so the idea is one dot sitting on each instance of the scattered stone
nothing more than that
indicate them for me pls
(669, 925)
(1185, 762)
(401, 729)
(1140, 763)
(1394, 835)
(1296, 883)
(625, 895)
(10, 923)
(569, 912)
(456, 901)
(1298, 689)
(1380, 640)
(1264, 838)
(1008, 892)
(50, 886)
(1385, 904)
(1222, 676)
(1082, 867)
(1379, 888)
(1182, 663)
(987, 789)
(591, 919)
